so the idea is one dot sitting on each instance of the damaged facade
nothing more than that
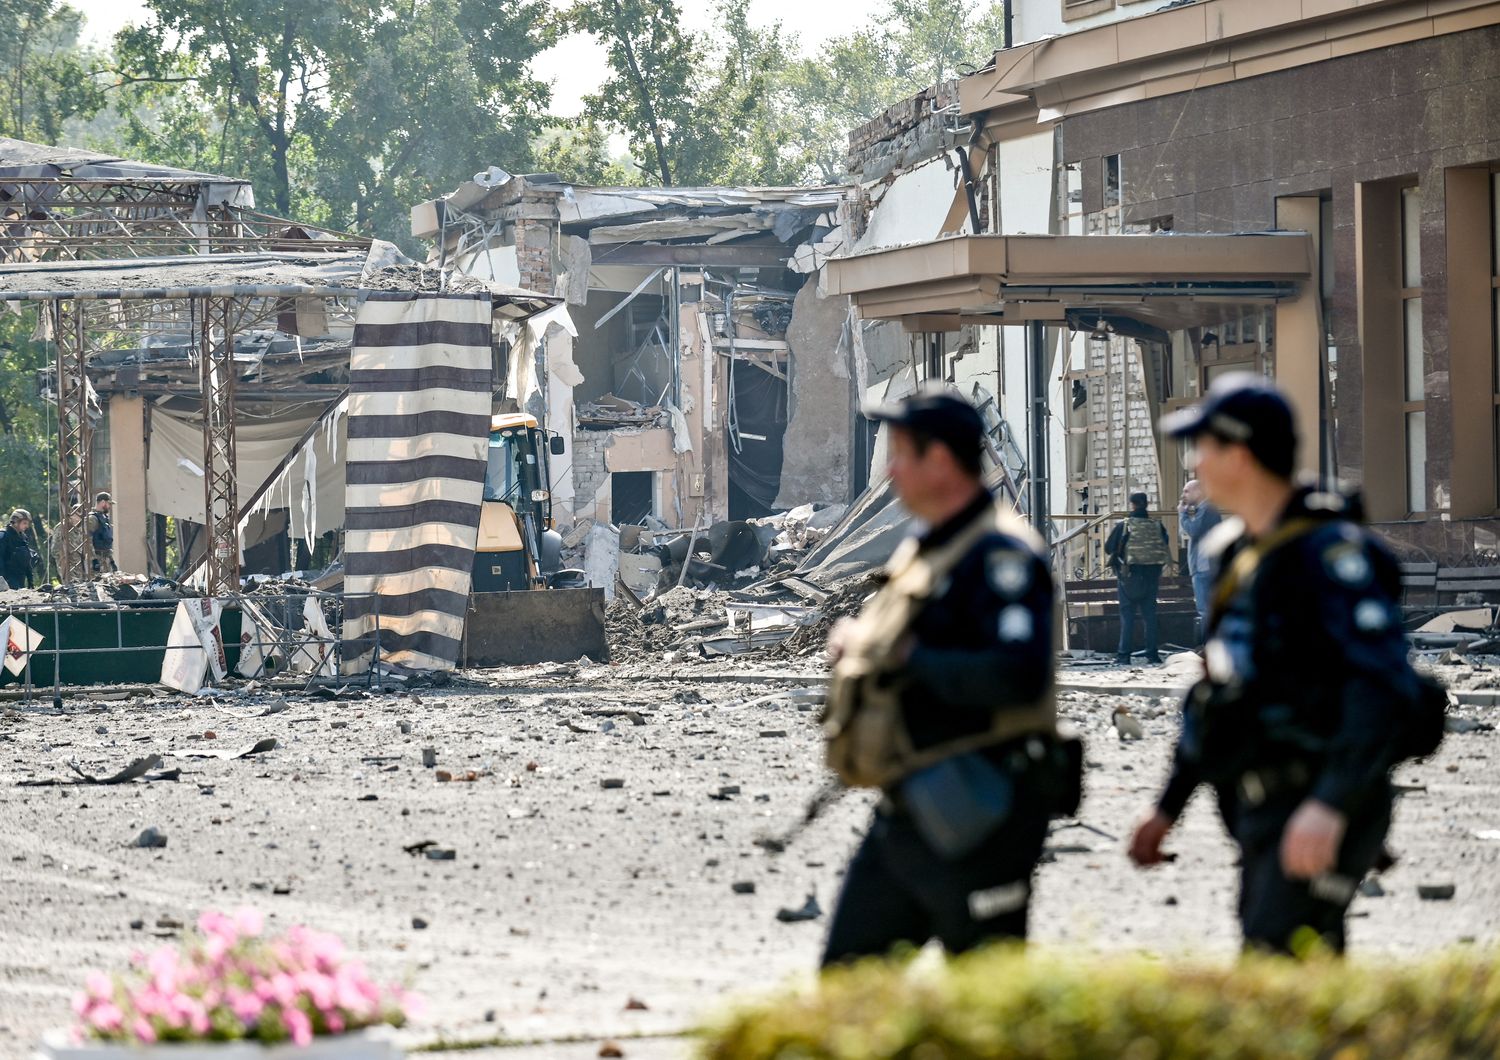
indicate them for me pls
(704, 377)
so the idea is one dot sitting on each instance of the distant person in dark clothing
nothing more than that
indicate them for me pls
(17, 557)
(1197, 517)
(1137, 549)
(102, 535)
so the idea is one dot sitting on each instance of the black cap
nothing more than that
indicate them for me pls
(1245, 408)
(937, 413)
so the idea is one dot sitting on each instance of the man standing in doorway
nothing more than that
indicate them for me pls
(1137, 550)
(1197, 517)
(102, 536)
(942, 698)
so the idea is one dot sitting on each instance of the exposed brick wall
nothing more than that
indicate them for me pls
(906, 134)
(589, 472)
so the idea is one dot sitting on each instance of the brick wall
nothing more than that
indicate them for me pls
(589, 472)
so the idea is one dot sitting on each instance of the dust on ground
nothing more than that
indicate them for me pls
(567, 898)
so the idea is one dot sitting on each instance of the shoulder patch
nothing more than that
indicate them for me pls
(1372, 616)
(1008, 570)
(1347, 564)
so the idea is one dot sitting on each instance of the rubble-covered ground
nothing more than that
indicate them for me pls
(601, 853)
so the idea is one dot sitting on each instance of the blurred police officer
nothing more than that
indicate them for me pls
(942, 698)
(1308, 698)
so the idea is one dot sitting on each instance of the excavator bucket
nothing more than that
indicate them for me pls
(532, 626)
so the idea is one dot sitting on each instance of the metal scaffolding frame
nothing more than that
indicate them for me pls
(74, 481)
(220, 504)
(78, 219)
(137, 215)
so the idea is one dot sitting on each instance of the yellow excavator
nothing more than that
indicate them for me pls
(525, 606)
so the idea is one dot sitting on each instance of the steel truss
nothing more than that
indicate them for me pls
(74, 480)
(68, 219)
(220, 502)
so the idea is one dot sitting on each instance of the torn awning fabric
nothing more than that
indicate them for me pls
(419, 415)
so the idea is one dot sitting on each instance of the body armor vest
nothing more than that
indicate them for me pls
(868, 742)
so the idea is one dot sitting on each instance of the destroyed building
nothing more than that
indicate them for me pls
(704, 376)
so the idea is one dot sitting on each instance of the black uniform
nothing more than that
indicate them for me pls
(16, 559)
(982, 644)
(102, 537)
(1307, 689)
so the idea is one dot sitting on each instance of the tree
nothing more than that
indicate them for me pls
(648, 93)
(46, 76)
(911, 45)
(578, 152)
(342, 114)
(418, 103)
(26, 428)
(736, 135)
(263, 62)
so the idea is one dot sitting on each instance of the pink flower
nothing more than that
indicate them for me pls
(247, 1007)
(143, 1029)
(107, 1018)
(249, 922)
(99, 985)
(298, 1025)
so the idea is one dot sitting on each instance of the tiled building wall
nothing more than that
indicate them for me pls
(1216, 159)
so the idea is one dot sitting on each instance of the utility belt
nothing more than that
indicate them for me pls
(960, 801)
(1258, 786)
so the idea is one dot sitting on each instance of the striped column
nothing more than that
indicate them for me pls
(419, 417)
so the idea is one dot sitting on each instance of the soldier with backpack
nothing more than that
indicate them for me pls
(1308, 698)
(1137, 549)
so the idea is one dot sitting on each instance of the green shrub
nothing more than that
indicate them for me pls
(1009, 1004)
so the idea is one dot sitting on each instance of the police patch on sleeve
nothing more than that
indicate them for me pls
(1371, 616)
(1009, 571)
(1347, 563)
(1016, 624)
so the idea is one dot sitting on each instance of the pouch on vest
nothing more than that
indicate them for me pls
(958, 803)
(1145, 544)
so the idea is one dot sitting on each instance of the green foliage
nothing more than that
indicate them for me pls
(736, 134)
(649, 91)
(25, 422)
(419, 100)
(578, 151)
(343, 114)
(909, 46)
(1004, 1003)
(45, 75)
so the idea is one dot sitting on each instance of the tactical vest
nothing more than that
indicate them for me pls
(1145, 543)
(103, 534)
(868, 742)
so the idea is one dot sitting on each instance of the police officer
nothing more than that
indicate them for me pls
(942, 698)
(1307, 698)
(102, 535)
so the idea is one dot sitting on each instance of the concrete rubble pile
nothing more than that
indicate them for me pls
(779, 599)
